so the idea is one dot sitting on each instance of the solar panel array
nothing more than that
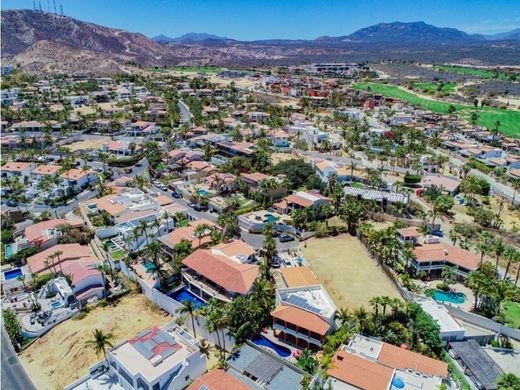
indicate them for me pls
(478, 362)
(302, 302)
(264, 368)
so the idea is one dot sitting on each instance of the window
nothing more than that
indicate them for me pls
(141, 384)
(125, 375)
(187, 378)
(157, 386)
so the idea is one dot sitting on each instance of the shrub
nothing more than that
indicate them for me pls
(443, 286)
(412, 179)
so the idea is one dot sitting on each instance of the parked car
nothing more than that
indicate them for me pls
(138, 165)
(276, 262)
(437, 233)
(176, 195)
(11, 203)
(285, 238)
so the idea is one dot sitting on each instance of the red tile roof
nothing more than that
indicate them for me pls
(220, 270)
(301, 318)
(218, 379)
(441, 251)
(35, 233)
(70, 252)
(359, 372)
(396, 357)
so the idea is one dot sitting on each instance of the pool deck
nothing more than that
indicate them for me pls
(271, 337)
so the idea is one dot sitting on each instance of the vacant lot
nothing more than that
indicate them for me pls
(487, 116)
(94, 144)
(344, 267)
(60, 357)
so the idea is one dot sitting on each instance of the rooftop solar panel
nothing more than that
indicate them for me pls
(264, 368)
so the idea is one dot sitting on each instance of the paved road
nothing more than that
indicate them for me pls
(14, 376)
(185, 113)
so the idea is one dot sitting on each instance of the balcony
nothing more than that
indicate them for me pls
(297, 334)
(205, 286)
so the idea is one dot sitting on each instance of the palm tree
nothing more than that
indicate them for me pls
(512, 256)
(385, 301)
(361, 317)
(375, 302)
(143, 227)
(57, 255)
(499, 247)
(484, 244)
(343, 315)
(201, 231)
(99, 342)
(508, 381)
(189, 309)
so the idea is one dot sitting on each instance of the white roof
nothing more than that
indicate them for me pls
(446, 322)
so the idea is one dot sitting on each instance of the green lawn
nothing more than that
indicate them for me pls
(512, 313)
(432, 87)
(118, 254)
(483, 73)
(509, 119)
(194, 69)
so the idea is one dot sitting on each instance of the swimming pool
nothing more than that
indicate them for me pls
(449, 296)
(184, 294)
(56, 305)
(150, 267)
(269, 218)
(12, 274)
(203, 192)
(8, 251)
(279, 349)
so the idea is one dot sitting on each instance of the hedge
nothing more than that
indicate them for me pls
(412, 179)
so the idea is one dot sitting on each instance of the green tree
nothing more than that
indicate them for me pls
(190, 310)
(508, 381)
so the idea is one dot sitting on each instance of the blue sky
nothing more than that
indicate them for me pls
(263, 19)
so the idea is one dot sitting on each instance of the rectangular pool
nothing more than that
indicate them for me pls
(184, 294)
(8, 251)
(12, 274)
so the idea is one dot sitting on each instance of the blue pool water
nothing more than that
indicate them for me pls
(184, 294)
(56, 305)
(449, 296)
(270, 218)
(203, 192)
(12, 274)
(8, 251)
(279, 349)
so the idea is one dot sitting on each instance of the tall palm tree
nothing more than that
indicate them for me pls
(375, 302)
(343, 315)
(99, 342)
(512, 256)
(189, 309)
(201, 231)
(143, 227)
(57, 255)
(499, 247)
(484, 244)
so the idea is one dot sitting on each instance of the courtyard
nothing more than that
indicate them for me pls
(344, 267)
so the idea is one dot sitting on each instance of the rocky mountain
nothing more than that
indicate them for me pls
(414, 32)
(41, 41)
(511, 35)
(27, 31)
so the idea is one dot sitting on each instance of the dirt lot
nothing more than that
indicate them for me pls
(344, 267)
(94, 144)
(60, 357)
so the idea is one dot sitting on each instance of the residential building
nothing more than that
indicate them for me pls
(303, 316)
(212, 273)
(188, 233)
(449, 328)
(447, 184)
(370, 364)
(433, 257)
(298, 276)
(77, 179)
(121, 148)
(265, 370)
(86, 280)
(17, 169)
(43, 234)
(42, 263)
(157, 358)
(301, 200)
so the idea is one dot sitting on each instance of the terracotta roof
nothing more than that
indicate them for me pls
(234, 248)
(75, 174)
(442, 251)
(402, 358)
(46, 169)
(36, 232)
(220, 270)
(301, 318)
(254, 177)
(408, 232)
(16, 166)
(447, 183)
(81, 269)
(298, 276)
(187, 233)
(105, 203)
(359, 372)
(218, 379)
(70, 252)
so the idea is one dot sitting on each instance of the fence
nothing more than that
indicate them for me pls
(172, 306)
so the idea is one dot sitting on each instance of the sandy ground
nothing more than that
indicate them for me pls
(96, 143)
(344, 267)
(60, 357)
